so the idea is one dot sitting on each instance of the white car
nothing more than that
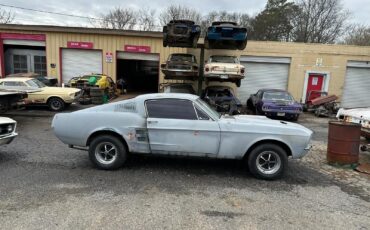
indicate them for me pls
(224, 68)
(183, 125)
(7, 130)
(359, 116)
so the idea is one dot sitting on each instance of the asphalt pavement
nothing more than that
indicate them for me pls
(46, 185)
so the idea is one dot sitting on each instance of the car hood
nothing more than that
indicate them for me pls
(226, 65)
(59, 90)
(280, 103)
(6, 120)
(276, 125)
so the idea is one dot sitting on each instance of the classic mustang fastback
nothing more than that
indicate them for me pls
(181, 124)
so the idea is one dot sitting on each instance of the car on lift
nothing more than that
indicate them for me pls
(180, 66)
(275, 103)
(225, 35)
(56, 98)
(181, 33)
(222, 99)
(181, 125)
(224, 69)
(177, 88)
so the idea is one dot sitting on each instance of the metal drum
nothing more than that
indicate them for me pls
(343, 142)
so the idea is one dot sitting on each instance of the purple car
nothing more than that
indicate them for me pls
(275, 103)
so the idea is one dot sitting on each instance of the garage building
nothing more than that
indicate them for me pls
(66, 52)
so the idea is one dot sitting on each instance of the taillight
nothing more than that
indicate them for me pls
(206, 69)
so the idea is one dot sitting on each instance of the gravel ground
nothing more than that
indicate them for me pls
(45, 185)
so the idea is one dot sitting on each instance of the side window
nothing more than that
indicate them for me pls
(201, 115)
(14, 83)
(259, 94)
(171, 109)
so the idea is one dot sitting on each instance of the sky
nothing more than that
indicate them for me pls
(359, 9)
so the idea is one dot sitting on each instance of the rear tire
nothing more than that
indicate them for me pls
(107, 152)
(268, 161)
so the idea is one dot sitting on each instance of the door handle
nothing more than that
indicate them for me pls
(152, 122)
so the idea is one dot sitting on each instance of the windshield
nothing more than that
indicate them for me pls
(35, 83)
(209, 110)
(180, 57)
(276, 96)
(223, 59)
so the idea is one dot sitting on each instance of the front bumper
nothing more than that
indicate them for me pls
(285, 114)
(7, 139)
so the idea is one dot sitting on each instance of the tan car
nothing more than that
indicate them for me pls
(56, 98)
(224, 68)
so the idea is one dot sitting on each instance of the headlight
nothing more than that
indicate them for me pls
(9, 128)
(265, 108)
(72, 94)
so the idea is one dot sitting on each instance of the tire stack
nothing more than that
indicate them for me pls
(97, 96)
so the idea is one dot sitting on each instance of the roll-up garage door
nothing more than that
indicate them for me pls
(137, 56)
(262, 73)
(76, 62)
(356, 91)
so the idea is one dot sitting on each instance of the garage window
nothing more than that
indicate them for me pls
(40, 65)
(171, 109)
(20, 63)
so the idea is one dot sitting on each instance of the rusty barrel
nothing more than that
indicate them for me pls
(343, 142)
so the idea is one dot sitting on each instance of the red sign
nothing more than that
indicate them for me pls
(14, 36)
(137, 49)
(80, 45)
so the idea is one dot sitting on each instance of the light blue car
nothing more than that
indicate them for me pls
(181, 125)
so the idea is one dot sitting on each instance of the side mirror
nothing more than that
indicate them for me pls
(163, 66)
(205, 62)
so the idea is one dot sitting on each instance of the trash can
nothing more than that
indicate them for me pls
(343, 143)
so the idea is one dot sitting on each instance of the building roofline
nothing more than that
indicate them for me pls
(83, 30)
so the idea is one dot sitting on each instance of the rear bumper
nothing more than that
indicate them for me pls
(179, 73)
(223, 76)
(4, 140)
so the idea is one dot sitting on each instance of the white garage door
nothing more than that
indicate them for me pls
(262, 73)
(137, 56)
(356, 91)
(77, 62)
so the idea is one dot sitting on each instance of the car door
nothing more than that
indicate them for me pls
(176, 128)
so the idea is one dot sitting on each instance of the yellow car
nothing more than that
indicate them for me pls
(94, 80)
(56, 98)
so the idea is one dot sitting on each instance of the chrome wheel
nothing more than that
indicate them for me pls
(106, 153)
(268, 162)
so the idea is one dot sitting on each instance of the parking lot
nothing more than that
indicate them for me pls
(46, 185)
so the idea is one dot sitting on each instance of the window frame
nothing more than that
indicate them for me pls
(194, 106)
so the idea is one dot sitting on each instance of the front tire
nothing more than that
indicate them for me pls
(107, 152)
(268, 161)
(56, 104)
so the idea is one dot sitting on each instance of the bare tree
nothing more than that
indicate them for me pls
(119, 18)
(176, 12)
(358, 35)
(6, 17)
(146, 20)
(319, 21)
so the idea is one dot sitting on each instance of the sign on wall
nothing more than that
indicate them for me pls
(80, 45)
(137, 49)
(108, 57)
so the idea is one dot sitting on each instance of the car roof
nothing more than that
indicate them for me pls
(16, 79)
(182, 54)
(184, 96)
(220, 55)
(183, 21)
